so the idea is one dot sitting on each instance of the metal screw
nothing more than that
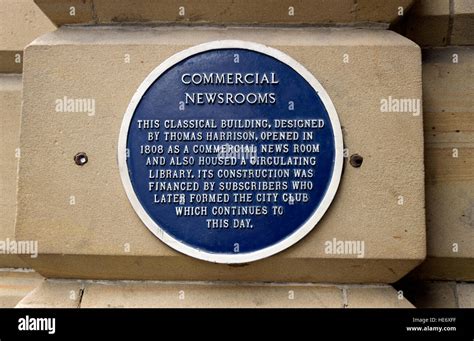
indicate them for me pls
(356, 160)
(81, 159)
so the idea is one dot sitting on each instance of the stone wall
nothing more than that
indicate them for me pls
(411, 197)
(20, 22)
(445, 29)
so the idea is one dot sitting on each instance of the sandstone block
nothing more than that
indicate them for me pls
(84, 223)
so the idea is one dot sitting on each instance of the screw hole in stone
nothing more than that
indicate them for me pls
(81, 159)
(356, 160)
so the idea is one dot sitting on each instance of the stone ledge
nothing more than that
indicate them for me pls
(16, 284)
(181, 267)
(151, 294)
(222, 11)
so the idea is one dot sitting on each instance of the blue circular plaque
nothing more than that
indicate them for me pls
(230, 151)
